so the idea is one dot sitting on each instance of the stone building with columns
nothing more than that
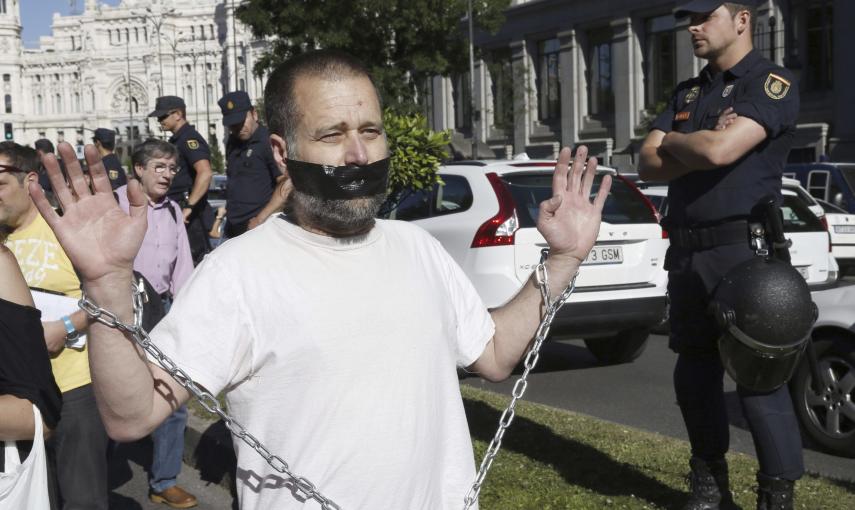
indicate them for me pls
(104, 66)
(564, 72)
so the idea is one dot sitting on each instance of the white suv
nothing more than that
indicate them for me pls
(484, 215)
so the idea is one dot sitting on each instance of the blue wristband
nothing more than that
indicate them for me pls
(71, 332)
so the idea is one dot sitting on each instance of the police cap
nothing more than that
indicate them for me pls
(166, 104)
(234, 106)
(705, 6)
(104, 135)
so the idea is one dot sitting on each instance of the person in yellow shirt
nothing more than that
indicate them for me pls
(79, 445)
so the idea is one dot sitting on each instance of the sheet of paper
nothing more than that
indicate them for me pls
(53, 307)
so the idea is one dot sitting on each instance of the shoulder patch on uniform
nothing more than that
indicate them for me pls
(776, 87)
(113, 174)
(193, 144)
(692, 94)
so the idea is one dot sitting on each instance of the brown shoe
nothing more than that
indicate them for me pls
(174, 497)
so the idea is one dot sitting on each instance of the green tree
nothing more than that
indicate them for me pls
(402, 42)
(217, 161)
(415, 149)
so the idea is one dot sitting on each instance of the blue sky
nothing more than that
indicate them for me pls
(36, 16)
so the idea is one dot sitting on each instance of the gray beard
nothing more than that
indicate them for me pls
(336, 217)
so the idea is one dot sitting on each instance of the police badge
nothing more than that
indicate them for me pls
(776, 87)
(727, 90)
(249, 153)
(692, 94)
(193, 144)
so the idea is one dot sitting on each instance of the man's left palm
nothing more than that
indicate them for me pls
(570, 221)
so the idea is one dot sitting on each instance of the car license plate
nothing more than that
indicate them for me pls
(803, 270)
(604, 255)
(844, 229)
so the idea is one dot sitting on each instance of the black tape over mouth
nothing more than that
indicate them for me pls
(339, 182)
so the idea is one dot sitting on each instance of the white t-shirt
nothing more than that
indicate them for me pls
(340, 356)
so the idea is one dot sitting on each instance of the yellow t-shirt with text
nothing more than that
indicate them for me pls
(46, 266)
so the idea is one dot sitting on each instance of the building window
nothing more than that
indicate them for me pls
(40, 105)
(209, 93)
(500, 67)
(462, 101)
(189, 95)
(819, 49)
(7, 78)
(242, 84)
(8, 101)
(136, 34)
(2, 6)
(601, 98)
(210, 66)
(660, 64)
(135, 105)
(548, 83)
(60, 136)
(76, 104)
(57, 103)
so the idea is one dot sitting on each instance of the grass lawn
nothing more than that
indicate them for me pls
(555, 459)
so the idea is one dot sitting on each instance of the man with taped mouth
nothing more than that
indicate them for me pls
(334, 336)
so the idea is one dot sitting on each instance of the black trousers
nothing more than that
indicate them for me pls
(698, 375)
(77, 454)
(201, 222)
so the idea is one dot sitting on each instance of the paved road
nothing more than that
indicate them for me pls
(129, 486)
(639, 394)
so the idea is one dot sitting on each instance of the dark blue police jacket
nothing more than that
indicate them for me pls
(755, 88)
(192, 147)
(252, 173)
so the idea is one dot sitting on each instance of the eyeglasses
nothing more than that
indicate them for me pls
(10, 168)
(160, 168)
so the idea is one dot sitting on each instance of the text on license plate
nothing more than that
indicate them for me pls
(604, 255)
(844, 229)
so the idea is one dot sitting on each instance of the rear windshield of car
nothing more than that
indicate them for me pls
(624, 204)
(848, 172)
(797, 216)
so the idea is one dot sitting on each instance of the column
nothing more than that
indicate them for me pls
(570, 92)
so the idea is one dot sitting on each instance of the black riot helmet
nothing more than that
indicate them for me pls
(764, 309)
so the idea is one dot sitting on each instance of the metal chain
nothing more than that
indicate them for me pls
(521, 384)
(302, 486)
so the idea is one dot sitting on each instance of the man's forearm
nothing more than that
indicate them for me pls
(695, 150)
(121, 376)
(518, 320)
(200, 186)
(657, 165)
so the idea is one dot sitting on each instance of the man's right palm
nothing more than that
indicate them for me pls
(97, 235)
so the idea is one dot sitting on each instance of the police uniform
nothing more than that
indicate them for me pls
(192, 147)
(111, 163)
(251, 168)
(708, 227)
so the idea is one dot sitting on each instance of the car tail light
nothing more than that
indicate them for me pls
(498, 230)
(652, 208)
(824, 222)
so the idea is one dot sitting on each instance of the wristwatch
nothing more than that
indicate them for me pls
(71, 333)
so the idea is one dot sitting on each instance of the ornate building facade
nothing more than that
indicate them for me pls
(105, 66)
(565, 72)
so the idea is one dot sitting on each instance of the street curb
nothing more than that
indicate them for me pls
(208, 448)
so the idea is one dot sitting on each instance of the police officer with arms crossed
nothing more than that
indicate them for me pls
(301, 319)
(105, 141)
(190, 187)
(721, 144)
(251, 168)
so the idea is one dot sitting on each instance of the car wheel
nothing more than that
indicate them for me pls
(828, 417)
(620, 348)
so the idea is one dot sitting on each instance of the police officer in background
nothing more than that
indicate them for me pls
(252, 171)
(105, 141)
(722, 144)
(190, 186)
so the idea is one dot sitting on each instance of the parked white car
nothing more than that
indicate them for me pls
(485, 214)
(841, 228)
(811, 251)
(827, 412)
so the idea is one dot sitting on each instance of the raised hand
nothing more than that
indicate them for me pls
(570, 221)
(97, 235)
